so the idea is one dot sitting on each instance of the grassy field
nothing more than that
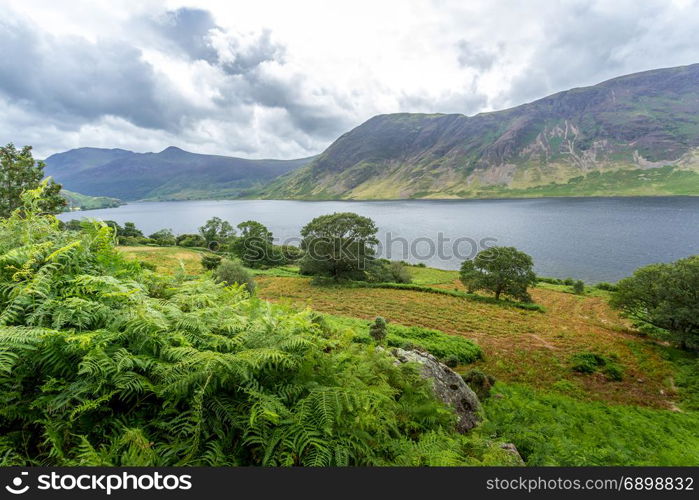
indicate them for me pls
(554, 415)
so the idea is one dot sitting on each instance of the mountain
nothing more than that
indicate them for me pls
(636, 134)
(169, 174)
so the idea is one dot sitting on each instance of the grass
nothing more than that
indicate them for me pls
(167, 260)
(519, 346)
(551, 429)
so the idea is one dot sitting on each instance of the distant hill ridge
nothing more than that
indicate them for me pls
(170, 174)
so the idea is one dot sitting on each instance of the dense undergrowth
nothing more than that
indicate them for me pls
(552, 429)
(103, 362)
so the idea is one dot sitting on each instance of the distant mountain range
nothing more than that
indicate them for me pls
(633, 135)
(171, 174)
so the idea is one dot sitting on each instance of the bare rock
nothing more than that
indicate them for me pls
(448, 386)
(512, 450)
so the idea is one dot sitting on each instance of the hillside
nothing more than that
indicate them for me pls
(620, 130)
(77, 201)
(169, 174)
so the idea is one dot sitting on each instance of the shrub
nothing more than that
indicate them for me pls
(479, 382)
(378, 329)
(588, 362)
(606, 286)
(190, 240)
(569, 281)
(232, 272)
(579, 287)
(451, 361)
(164, 237)
(210, 261)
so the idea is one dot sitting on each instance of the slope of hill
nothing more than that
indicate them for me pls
(169, 174)
(77, 201)
(552, 146)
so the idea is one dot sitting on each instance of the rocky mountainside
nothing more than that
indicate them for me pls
(169, 174)
(636, 134)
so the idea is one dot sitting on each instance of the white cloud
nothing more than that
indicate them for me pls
(283, 79)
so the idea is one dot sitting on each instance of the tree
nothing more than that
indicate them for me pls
(500, 270)
(130, 231)
(19, 172)
(665, 297)
(254, 245)
(210, 262)
(164, 237)
(217, 231)
(579, 287)
(341, 246)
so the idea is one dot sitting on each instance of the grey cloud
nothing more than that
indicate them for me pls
(246, 58)
(188, 29)
(71, 78)
(473, 56)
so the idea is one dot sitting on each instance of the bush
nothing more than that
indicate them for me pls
(191, 240)
(451, 361)
(588, 362)
(164, 238)
(232, 272)
(569, 281)
(210, 261)
(579, 287)
(378, 329)
(609, 287)
(479, 382)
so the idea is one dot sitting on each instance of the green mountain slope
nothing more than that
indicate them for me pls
(608, 139)
(169, 174)
(77, 201)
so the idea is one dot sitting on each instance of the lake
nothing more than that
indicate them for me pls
(593, 239)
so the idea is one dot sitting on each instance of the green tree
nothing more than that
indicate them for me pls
(579, 287)
(254, 246)
(341, 246)
(19, 172)
(217, 231)
(164, 237)
(501, 270)
(232, 272)
(665, 297)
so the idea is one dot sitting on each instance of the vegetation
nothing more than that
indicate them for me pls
(579, 287)
(340, 246)
(19, 171)
(378, 330)
(480, 382)
(210, 261)
(77, 201)
(254, 246)
(500, 270)
(105, 363)
(664, 298)
(216, 232)
(164, 238)
(552, 429)
(232, 272)
(589, 362)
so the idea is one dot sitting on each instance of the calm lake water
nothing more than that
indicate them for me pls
(593, 239)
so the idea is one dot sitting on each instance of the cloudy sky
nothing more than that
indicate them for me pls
(283, 79)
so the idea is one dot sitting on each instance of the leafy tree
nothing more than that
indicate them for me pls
(130, 231)
(164, 237)
(19, 172)
(254, 246)
(579, 287)
(217, 231)
(378, 330)
(72, 225)
(341, 246)
(665, 297)
(501, 270)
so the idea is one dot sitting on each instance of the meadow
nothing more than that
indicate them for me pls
(554, 414)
